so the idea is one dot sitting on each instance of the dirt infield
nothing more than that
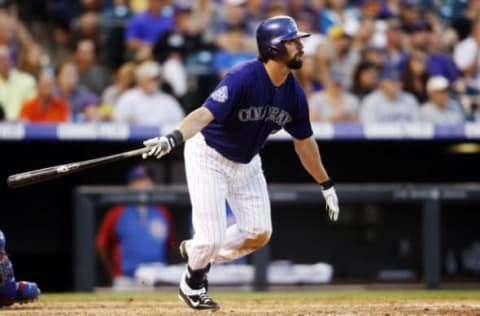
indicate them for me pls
(296, 305)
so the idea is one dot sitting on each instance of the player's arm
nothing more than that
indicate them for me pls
(105, 258)
(188, 127)
(195, 122)
(309, 154)
(106, 239)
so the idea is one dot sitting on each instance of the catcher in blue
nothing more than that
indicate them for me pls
(223, 139)
(12, 291)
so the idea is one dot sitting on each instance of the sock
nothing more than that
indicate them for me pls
(196, 279)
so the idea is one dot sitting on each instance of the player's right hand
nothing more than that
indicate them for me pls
(158, 147)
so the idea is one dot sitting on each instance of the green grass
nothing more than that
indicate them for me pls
(306, 295)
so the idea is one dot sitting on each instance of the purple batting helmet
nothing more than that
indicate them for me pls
(272, 32)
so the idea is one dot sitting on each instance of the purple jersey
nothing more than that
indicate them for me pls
(247, 108)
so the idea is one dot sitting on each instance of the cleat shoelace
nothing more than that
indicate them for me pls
(204, 297)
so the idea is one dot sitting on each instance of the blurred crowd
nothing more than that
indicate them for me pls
(153, 61)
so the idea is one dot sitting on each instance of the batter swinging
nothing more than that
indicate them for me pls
(222, 162)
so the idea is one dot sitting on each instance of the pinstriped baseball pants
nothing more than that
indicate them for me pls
(211, 180)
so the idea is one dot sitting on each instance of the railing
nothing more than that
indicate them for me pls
(327, 131)
(431, 196)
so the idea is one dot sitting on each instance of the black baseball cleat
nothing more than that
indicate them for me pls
(196, 299)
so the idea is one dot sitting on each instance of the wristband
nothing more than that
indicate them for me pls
(327, 184)
(175, 138)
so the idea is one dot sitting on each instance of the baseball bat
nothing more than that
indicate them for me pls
(39, 175)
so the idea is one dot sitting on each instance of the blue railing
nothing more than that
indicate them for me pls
(323, 131)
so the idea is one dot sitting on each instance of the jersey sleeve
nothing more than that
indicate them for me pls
(225, 96)
(300, 126)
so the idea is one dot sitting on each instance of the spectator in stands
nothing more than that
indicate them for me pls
(256, 13)
(438, 64)
(338, 13)
(83, 103)
(306, 75)
(124, 80)
(233, 53)
(394, 50)
(33, 59)
(370, 9)
(334, 103)
(373, 55)
(276, 7)
(13, 32)
(15, 86)
(93, 5)
(296, 8)
(415, 75)
(201, 18)
(463, 23)
(147, 104)
(389, 103)
(88, 26)
(365, 79)
(60, 46)
(235, 15)
(138, 6)
(113, 22)
(367, 35)
(467, 59)
(90, 73)
(306, 22)
(231, 13)
(134, 234)
(409, 14)
(390, 9)
(45, 107)
(344, 56)
(64, 10)
(172, 49)
(440, 108)
(146, 27)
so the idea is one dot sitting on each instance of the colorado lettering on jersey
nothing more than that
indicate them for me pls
(247, 108)
(267, 113)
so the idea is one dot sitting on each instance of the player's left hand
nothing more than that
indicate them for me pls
(331, 199)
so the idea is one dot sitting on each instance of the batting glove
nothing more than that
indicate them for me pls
(331, 199)
(162, 145)
(159, 147)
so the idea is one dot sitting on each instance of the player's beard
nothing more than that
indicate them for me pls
(296, 62)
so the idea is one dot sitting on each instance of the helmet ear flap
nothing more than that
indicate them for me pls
(273, 51)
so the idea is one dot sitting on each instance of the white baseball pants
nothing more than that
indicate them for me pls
(212, 179)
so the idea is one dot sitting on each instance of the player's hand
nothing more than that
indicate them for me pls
(158, 147)
(331, 199)
(162, 145)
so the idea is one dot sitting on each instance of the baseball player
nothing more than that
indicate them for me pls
(12, 291)
(223, 138)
